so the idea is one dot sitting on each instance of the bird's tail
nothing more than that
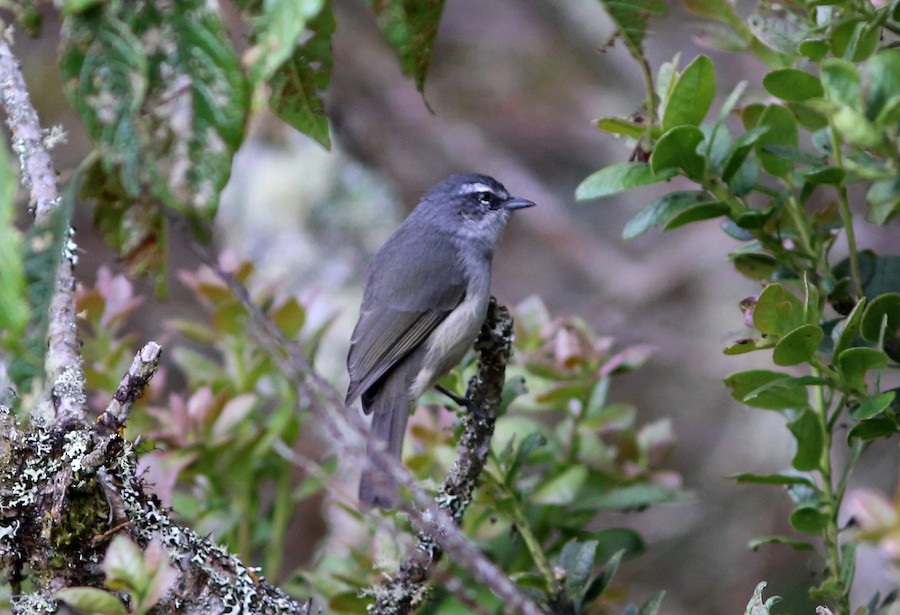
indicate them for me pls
(390, 412)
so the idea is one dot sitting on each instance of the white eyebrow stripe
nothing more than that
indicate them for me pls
(479, 187)
(476, 187)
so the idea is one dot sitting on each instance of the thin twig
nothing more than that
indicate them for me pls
(131, 387)
(62, 362)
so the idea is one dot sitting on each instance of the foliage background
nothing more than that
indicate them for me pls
(514, 87)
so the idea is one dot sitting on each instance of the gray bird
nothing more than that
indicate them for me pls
(425, 298)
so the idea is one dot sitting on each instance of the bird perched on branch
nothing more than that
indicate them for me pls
(425, 297)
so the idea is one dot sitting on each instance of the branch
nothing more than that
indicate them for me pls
(408, 590)
(65, 496)
(347, 433)
(62, 362)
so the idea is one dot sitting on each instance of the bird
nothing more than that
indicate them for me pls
(425, 296)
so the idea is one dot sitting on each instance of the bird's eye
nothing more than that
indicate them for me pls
(484, 198)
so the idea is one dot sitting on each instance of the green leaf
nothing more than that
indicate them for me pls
(755, 266)
(772, 479)
(797, 545)
(832, 176)
(298, 86)
(807, 431)
(123, 565)
(777, 311)
(872, 429)
(702, 211)
(814, 49)
(740, 150)
(92, 600)
(162, 95)
(14, 311)
(616, 178)
(651, 606)
(809, 520)
(848, 329)
(856, 129)
(782, 130)
(841, 82)
(618, 540)
(872, 406)
(561, 489)
(664, 209)
(618, 126)
(883, 198)
(630, 18)
(767, 390)
(853, 364)
(692, 95)
(632, 497)
(577, 561)
(882, 72)
(798, 346)
(883, 309)
(792, 84)
(677, 149)
(275, 34)
(410, 28)
(601, 581)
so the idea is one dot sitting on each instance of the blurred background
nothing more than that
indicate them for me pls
(513, 88)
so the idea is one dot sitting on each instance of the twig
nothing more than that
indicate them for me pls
(131, 387)
(348, 434)
(62, 362)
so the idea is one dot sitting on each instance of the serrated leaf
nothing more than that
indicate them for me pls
(299, 84)
(410, 29)
(692, 95)
(92, 600)
(617, 178)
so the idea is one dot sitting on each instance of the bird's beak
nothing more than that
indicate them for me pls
(518, 204)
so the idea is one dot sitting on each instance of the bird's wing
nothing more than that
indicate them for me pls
(398, 313)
